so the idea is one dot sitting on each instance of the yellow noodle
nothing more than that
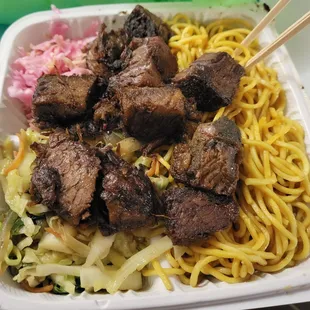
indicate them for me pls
(273, 229)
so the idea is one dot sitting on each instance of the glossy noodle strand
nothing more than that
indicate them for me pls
(273, 228)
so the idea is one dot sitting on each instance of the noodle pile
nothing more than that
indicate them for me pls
(273, 228)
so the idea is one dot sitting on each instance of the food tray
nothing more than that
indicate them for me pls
(288, 286)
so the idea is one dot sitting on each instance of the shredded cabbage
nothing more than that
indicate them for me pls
(24, 243)
(125, 244)
(99, 248)
(179, 251)
(138, 262)
(128, 146)
(48, 269)
(160, 182)
(29, 228)
(37, 209)
(93, 279)
(67, 283)
(52, 243)
(144, 161)
(30, 257)
(32, 281)
(18, 224)
(5, 235)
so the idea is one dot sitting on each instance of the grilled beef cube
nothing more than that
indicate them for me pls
(103, 55)
(107, 114)
(128, 194)
(211, 159)
(59, 99)
(142, 23)
(212, 80)
(146, 62)
(140, 51)
(64, 178)
(151, 113)
(139, 75)
(193, 215)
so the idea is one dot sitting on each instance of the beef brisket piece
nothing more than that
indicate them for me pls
(151, 113)
(59, 99)
(212, 80)
(64, 178)
(193, 215)
(140, 51)
(140, 76)
(211, 159)
(128, 194)
(103, 55)
(142, 23)
(146, 62)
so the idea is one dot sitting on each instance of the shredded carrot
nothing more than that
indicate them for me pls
(45, 289)
(151, 171)
(20, 155)
(53, 232)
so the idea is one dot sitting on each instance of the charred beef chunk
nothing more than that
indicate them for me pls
(107, 114)
(212, 80)
(142, 23)
(128, 194)
(193, 215)
(59, 99)
(151, 113)
(141, 50)
(103, 55)
(211, 159)
(64, 178)
(140, 76)
(147, 62)
(46, 185)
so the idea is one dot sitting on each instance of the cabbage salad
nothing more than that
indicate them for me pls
(45, 254)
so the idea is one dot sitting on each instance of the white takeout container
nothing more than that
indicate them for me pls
(288, 286)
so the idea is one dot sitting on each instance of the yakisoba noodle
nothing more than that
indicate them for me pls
(273, 228)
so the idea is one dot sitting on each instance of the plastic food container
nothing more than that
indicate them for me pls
(288, 286)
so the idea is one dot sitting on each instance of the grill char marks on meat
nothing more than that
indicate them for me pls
(103, 55)
(152, 113)
(62, 99)
(128, 194)
(64, 178)
(212, 80)
(142, 23)
(146, 62)
(46, 185)
(211, 160)
(193, 215)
